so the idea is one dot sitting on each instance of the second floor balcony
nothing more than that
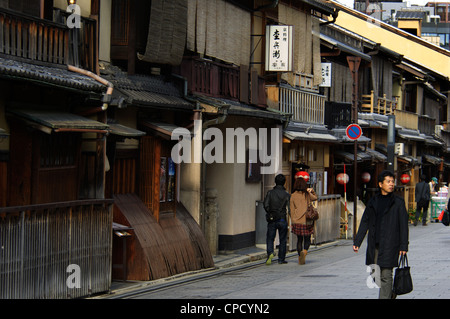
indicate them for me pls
(379, 105)
(37, 40)
(414, 121)
(305, 107)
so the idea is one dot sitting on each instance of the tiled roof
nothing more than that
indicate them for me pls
(146, 90)
(60, 76)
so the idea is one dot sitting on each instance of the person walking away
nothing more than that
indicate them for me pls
(300, 200)
(276, 203)
(422, 194)
(386, 221)
(433, 191)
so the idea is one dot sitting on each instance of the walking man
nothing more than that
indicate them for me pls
(422, 194)
(386, 219)
(275, 204)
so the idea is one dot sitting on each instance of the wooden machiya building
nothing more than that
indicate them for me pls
(156, 200)
(54, 218)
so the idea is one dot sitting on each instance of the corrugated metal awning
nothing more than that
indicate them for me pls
(52, 121)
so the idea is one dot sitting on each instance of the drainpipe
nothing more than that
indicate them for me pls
(106, 98)
(218, 120)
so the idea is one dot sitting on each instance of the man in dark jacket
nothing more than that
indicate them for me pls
(386, 219)
(275, 204)
(422, 194)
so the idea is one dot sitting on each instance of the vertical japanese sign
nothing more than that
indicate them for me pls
(326, 75)
(279, 47)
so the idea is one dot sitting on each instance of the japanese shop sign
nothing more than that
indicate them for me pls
(279, 47)
(326, 75)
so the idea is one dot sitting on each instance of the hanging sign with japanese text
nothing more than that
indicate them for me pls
(326, 75)
(279, 47)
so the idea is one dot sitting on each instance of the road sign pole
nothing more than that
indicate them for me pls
(353, 63)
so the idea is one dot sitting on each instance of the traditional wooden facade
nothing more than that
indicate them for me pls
(54, 217)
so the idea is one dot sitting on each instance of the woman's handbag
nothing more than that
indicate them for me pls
(311, 212)
(402, 278)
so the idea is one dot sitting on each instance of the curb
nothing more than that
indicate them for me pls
(234, 263)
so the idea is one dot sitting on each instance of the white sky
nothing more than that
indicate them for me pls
(349, 3)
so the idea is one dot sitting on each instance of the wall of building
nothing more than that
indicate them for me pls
(422, 54)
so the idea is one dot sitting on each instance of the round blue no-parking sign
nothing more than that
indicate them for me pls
(353, 131)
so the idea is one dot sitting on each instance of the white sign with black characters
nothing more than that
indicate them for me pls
(279, 47)
(326, 75)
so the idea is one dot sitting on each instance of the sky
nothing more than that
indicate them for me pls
(418, 2)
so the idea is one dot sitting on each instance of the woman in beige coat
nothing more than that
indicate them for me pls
(300, 199)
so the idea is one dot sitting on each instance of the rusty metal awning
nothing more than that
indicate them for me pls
(52, 121)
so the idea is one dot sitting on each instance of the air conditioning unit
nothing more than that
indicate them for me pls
(399, 149)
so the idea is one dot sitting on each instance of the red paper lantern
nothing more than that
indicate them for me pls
(342, 178)
(365, 177)
(405, 178)
(303, 175)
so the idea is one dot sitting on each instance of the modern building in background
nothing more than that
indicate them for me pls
(430, 22)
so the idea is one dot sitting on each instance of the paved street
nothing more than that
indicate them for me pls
(335, 272)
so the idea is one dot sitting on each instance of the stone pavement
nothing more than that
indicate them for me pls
(333, 271)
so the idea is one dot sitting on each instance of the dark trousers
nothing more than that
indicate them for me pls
(272, 227)
(303, 243)
(424, 210)
(386, 280)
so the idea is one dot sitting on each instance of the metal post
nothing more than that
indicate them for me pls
(391, 143)
(354, 63)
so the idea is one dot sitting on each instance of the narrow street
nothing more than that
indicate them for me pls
(335, 272)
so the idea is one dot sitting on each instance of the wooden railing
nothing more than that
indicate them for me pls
(380, 105)
(305, 107)
(35, 39)
(43, 245)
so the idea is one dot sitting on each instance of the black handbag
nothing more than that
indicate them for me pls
(402, 279)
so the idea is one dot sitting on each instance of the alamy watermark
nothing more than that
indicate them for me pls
(74, 279)
(74, 20)
(374, 278)
(189, 150)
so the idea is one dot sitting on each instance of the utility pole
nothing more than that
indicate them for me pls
(353, 63)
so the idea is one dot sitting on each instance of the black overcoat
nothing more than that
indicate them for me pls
(394, 231)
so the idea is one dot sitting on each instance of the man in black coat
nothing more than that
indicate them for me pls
(386, 219)
(422, 194)
(276, 203)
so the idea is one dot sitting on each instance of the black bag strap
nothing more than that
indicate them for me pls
(403, 261)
